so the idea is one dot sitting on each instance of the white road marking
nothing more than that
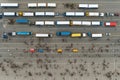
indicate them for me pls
(60, 43)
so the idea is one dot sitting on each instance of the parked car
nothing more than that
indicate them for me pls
(107, 34)
(75, 50)
(59, 50)
(5, 36)
(116, 14)
(112, 14)
(109, 14)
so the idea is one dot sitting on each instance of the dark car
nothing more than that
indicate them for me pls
(5, 36)
(116, 14)
(10, 33)
(107, 13)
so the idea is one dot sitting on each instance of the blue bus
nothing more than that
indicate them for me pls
(22, 21)
(63, 33)
(23, 33)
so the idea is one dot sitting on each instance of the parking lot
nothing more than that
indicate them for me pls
(96, 59)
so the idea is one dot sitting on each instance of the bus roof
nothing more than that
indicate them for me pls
(76, 35)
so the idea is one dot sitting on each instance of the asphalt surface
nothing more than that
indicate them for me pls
(57, 42)
(107, 47)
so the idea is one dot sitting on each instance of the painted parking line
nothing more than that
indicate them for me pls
(62, 48)
(115, 35)
(63, 43)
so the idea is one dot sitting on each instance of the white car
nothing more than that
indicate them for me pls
(102, 14)
(107, 34)
(111, 14)
(84, 34)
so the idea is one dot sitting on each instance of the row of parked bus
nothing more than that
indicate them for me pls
(27, 14)
(53, 5)
(46, 14)
(30, 5)
(88, 6)
(59, 33)
(79, 23)
(78, 35)
(68, 23)
(53, 14)
(41, 5)
(82, 14)
(86, 23)
(46, 5)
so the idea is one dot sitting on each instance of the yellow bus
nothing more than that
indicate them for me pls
(76, 35)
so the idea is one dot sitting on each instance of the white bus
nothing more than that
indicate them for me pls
(77, 14)
(9, 5)
(96, 23)
(51, 5)
(97, 35)
(49, 13)
(76, 23)
(86, 23)
(93, 6)
(39, 13)
(9, 14)
(60, 23)
(42, 5)
(49, 23)
(32, 5)
(28, 14)
(69, 14)
(82, 6)
(43, 35)
(39, 23)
